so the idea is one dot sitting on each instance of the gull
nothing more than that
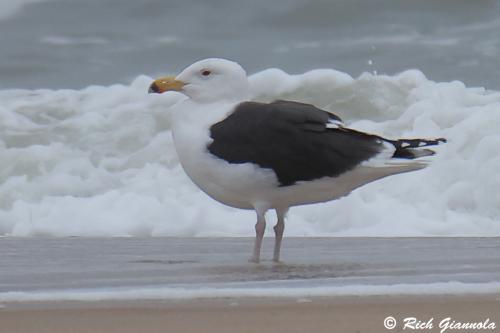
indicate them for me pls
(273, 156)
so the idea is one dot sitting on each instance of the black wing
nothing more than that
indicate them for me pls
(292, 139)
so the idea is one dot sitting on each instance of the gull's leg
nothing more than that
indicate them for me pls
(260, 227)
(278, 231)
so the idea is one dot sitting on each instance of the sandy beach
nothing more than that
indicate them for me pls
(344, 314)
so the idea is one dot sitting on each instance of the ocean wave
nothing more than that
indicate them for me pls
(100, 161)
(8, 8)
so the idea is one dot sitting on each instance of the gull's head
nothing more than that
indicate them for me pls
(206, 81)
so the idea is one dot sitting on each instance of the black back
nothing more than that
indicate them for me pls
(292, 139)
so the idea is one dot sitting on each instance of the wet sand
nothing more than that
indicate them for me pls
(67, 264)
(343, 314)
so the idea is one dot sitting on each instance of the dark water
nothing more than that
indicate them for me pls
(75, 43)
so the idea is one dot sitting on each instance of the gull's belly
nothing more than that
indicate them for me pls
(246, 185)
(236, 185)
(244, 189)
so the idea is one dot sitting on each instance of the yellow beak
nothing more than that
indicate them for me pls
(166, 83)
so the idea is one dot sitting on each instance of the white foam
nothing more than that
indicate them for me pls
(100, 161)
(65, 41)
(168, 293)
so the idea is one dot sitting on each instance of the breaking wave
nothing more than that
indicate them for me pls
(100, 161)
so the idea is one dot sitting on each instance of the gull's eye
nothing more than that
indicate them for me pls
(206, 72)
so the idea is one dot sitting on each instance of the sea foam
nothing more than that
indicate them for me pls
(170, 293)
(100, 161)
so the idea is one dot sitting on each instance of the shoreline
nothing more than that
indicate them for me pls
(229, 290)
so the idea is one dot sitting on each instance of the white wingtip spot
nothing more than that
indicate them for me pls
(334, 124)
